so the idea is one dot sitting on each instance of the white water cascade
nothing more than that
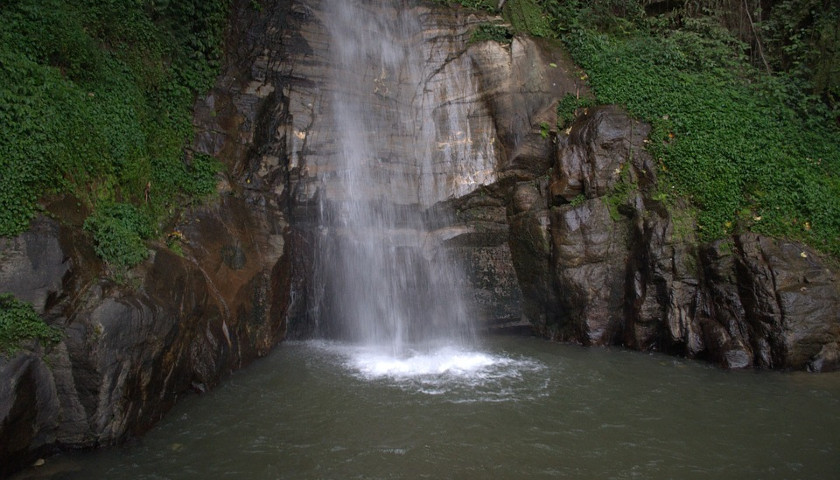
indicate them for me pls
(402, 146)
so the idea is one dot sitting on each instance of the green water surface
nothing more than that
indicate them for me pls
(521, 408)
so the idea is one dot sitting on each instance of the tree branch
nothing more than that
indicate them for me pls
(757, 39)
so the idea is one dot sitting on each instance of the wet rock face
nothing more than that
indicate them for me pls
(32, 265)
(178, 324)
(476, 110)
(622, 268)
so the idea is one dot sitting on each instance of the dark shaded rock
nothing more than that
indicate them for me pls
(565, 230)
(594, 156)
(590, 260)
(627, 270)
(233, 256)
(481, 105)
(178, 324)
(128, 353)
(827, 360)
(793, 300)
(28, 403)
(663, 299)
(32, 265)
(530, 244)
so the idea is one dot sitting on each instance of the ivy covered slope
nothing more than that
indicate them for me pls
(744, 102)
(95, 102)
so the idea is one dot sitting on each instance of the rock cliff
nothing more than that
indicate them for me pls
(566, 231)
(604, 259)
(178, 323)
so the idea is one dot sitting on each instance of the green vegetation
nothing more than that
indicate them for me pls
(568, 108)
(95, 102)
(620, 195)
(744, 103)
(118, 232)
(733, 147)
(19, 322)
(578, 200)
(495, 33)
(488, 5)
(528, 16)
(545, 129)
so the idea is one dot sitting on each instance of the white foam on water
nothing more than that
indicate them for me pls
(447, 361)
(458, 374)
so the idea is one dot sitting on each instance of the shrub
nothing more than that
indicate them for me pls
(19, 322)
(491, 32)
(724, 143)
(527, 16)
(568, 107)
(118, 232)
(748, 150)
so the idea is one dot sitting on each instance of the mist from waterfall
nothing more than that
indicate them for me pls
(388, 282)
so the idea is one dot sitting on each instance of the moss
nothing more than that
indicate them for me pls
(568, 108)
(619, 196)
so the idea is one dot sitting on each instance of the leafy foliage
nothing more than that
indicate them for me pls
(19, 322)
(620, 195)
(803, 40)
(118, 231)
(568, 108)
(578, 200)
(95, 100)
(488, 5)
(734, 147)
(491, 32)
(527, 16)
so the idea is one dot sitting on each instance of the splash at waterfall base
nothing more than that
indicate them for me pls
(563, 231)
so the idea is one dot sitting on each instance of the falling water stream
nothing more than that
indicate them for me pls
(401, 387)
(388, 284)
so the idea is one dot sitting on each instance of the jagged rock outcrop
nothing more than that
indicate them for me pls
(603, 261)
(478, 106)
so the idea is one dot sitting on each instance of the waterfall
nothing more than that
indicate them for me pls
(399, 150)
